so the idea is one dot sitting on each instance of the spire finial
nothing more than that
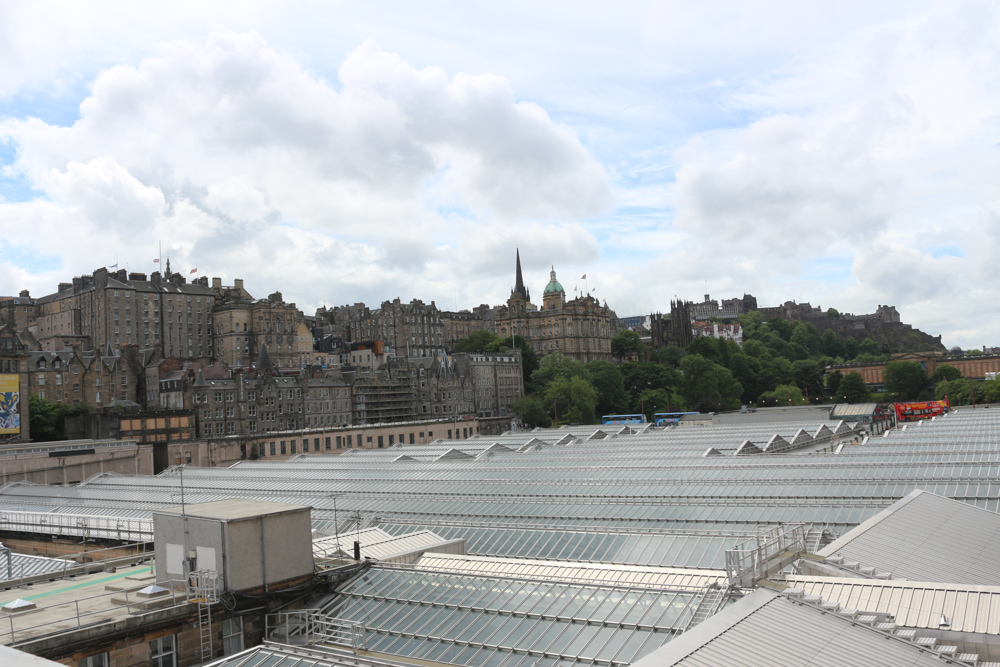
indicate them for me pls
(519, 282)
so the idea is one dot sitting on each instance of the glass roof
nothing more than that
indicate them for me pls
(480, 621)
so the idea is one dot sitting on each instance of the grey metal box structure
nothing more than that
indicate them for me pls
(252, 544)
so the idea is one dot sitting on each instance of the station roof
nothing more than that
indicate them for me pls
(771, 630)
(927, 537)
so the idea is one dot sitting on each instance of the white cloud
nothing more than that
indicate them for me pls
(242, 161)
(746, 144)
(884, 148)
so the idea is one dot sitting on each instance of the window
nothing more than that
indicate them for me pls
(292, 444)
(338, 442)
(316, 444)
(232, 636)
(163, 652)
(283, 450)
(99, 660)
(272, 449)
(381, 443)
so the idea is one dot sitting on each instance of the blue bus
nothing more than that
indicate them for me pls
(623, 419)
(667, 418)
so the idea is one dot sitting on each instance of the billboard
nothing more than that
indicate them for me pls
(10, 405)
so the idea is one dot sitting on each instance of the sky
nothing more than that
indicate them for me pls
(845, 154)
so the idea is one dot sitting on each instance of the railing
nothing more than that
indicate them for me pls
(14, 630)
(83, 525)
(770, 552)
(204, 586)
(312, 626)
(74, 565)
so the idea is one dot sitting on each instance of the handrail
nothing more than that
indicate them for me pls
(311, 626)
(85, 525)
(750, 561)
(178, 598)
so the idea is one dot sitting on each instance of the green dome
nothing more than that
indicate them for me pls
(554, 285)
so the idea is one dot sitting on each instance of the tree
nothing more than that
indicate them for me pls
(786, 394)
(627, 343)
(991, 391)
(832, 313)
(668, 355)
(707, 347)
(806, 335)
(638, 376)
(945, 372)
(477, 341)
(852, 389)
(833, 382)
(958, 391)
(868, 346)
(850, 348)
(555, 365)
(830, 344)
(745, 371)
(808, 375)
(574, 399)
(609, 383)
(652, 401)
(905, 378)
(48, 419)
(531, 410)
(781, 327)
(705, 380)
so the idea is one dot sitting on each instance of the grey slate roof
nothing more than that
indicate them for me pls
(927, 537)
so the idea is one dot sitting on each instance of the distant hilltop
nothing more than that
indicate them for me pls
(883, 326)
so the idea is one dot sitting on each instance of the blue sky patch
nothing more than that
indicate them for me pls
(828, 269)
(947, 251)
(31, 260)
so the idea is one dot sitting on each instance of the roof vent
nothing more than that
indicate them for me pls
(152, 591)
(18, 606)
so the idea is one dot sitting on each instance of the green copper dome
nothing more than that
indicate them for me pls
(554, 285)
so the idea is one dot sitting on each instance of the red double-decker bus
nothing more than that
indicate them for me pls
(910, 412)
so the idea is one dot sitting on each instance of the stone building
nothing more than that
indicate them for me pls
(15, 414)
(497, 381)
(384, 394)
(730, 309)
(242, 324)
(446, 388)
(120, 308)
(18, 311)
(413, 329)
(581, 328)
(99, 380)
(251, 403)
(461, 324)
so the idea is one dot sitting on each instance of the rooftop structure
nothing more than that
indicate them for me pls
(771, 542)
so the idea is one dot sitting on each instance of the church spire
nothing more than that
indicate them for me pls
(519, 283)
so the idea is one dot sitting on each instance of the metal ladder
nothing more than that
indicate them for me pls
(710, 603)
(204, 587)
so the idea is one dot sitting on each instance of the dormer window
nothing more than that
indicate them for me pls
(41, 364)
